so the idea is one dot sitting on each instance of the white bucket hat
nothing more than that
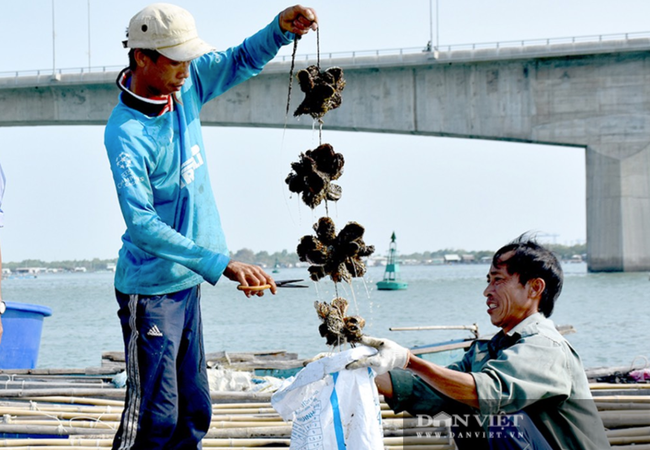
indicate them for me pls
(168, 29)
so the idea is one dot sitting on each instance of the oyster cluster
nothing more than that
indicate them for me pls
(338, 256)
(338, 328)
(313, 174)
(322, 90)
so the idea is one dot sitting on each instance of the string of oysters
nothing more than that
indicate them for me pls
(337, 255)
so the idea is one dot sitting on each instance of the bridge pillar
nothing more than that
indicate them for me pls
(618, 209)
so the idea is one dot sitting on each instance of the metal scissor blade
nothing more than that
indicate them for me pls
(289, 284)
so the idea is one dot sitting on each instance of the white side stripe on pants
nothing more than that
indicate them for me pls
(131, 415)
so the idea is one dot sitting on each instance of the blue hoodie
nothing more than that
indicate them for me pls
(174, 239)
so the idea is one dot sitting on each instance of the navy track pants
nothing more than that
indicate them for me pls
(167, 402)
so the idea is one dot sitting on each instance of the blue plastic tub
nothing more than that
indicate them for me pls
(21, 339)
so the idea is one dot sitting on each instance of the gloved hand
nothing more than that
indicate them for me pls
(391, 355)
(317, 357)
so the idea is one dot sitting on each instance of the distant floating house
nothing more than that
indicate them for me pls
(468, 258)
(576, 259)
(452, 259)
(30, 270)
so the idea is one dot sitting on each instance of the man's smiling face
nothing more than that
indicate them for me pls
(508, 301)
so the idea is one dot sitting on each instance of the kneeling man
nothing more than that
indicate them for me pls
(525, 388)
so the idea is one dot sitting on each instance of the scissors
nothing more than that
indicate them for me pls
(280, 284)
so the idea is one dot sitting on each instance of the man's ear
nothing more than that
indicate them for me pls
(139, 57)
(536, 288)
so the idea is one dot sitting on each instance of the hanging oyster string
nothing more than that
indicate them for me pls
(293, 64)
(328, 253)
(322, 89)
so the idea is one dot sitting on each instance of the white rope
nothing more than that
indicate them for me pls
(94, 421)
(643, 358)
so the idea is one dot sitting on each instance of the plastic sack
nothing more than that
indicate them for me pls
(332, 408)
(640, 375)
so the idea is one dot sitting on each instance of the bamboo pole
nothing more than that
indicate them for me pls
(632, 406)
(639, 431)
(631, 447)
(62, 415)
(68, 443)
(35, 393)
(61, 446)
(41, 406)
(416, 440)
(238, 397)
(236, 417)
(32, 384)
(241, 405)
(240, 424)
(250, 432)
(629, 440)
(76, 400)
(73, 423)
(645, 399)
(245, 411)
(54, 430)
(624, 419)
(618, 387)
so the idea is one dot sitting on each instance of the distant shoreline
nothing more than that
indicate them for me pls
(285, 259)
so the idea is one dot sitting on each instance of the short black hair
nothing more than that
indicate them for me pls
(152, 54)
(531, 260)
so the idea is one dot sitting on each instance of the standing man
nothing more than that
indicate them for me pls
(525, 388)
(174, 240)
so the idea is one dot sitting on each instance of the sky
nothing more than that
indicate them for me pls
(434, 193)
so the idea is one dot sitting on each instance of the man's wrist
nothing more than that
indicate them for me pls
(409, 355)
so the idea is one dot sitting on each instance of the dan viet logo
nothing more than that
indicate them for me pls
(469, 425)
(440, 420)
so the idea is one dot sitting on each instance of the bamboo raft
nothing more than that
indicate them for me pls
(66, 409)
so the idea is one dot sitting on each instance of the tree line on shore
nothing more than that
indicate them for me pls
(290, 259)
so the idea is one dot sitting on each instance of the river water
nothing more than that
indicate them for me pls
(610, 312)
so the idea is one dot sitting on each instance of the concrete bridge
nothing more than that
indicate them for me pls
(594, 95)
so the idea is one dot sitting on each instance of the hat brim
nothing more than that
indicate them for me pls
(187, 51)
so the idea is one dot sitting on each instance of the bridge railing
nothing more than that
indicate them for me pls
(548, 41)
(375, 53)
(479, 46)
(50, 71)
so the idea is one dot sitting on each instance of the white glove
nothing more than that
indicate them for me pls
(391, 355)
(317, 357)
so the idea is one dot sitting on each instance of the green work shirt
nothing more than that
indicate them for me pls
(537, 372)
